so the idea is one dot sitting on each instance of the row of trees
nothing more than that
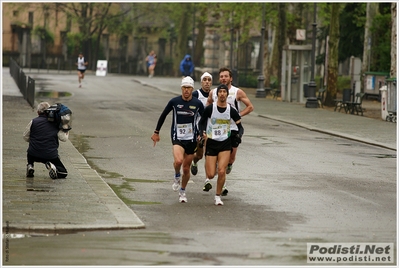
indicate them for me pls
(362, 30)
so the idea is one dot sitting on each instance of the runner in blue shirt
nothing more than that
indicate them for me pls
(184, 132)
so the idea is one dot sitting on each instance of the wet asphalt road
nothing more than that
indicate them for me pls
(288, 187)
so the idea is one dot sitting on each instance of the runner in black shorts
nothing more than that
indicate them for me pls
(184, 132)
(215, 126)
(202, 94)
(81, 62)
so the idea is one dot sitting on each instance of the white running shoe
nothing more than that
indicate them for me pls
(218, 201)
(182, 197)
(29, 171)
(52, 170)
(207, 186)
(176, 183)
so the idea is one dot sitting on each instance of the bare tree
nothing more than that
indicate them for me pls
(371, 12)
(282, 22)
(333, 55)
(393, 40)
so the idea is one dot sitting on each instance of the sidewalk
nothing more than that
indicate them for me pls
(82, 202)
(86, 202)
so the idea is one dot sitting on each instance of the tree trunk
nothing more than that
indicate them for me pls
(370, 14)
(393, 40)
(282, 22)
(266, 69)
(199, 48)
(333, 41)
(275, 54)
(183, 29)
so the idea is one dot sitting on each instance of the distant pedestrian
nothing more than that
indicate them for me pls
(215, 126)
(184, 132)
(151, 60)
(81, 62)
(187, 66)
(43, 137)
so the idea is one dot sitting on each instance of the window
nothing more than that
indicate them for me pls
(31, 18)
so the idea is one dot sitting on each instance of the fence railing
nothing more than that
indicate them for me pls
(26, 86)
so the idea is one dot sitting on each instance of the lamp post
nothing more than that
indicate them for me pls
(260, 91)
(312, 100)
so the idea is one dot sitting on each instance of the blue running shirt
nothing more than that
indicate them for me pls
(185, 114)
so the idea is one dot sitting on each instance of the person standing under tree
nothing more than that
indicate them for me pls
(187, 66)
(184, 132)
(215, 125)
(81, 63)
(151, 60)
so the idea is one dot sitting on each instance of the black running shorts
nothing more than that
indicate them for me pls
(189, 146)
(213, 148)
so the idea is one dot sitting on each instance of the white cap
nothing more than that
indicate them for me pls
(187, 82)
(206, 74)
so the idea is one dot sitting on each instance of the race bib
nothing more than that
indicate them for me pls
(220, 132)
(185, 132)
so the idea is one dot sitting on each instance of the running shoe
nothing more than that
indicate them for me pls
(224, 191)
(207, 186)
(176, 183)
(52, 170)
(182, 197)
(218, 201)
(229, 168)
(29, 171)
(194, 168)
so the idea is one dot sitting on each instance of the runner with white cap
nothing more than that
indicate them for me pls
(184, 132)
(202, 94)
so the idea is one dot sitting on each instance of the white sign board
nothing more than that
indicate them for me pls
(300, 34)
(101, 68)
(370, 83)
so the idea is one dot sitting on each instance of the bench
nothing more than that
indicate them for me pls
(276, 93)
(356, 106)
(345, 101)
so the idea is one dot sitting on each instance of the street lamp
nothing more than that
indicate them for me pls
(311, 101)
(260, 91)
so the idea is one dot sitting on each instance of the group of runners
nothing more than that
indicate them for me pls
(205, 121)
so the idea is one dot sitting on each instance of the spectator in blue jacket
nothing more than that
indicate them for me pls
(187, 66)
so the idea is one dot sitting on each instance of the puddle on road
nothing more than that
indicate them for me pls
(385, 155)
(52, 94)
(17, 236)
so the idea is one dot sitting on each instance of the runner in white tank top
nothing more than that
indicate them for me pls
(215, 126)
(236, 98)
(81, 63)
(202, 94)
